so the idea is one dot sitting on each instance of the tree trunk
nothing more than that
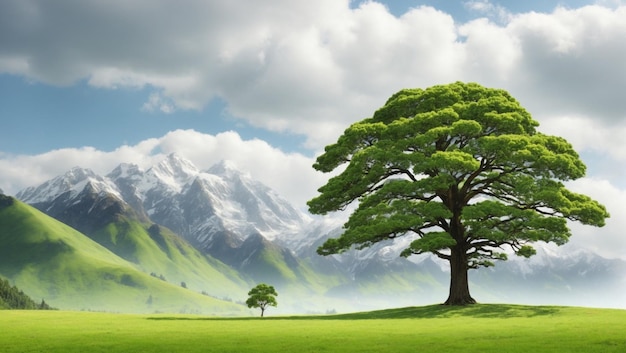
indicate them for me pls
(459, 285)
(262, 311)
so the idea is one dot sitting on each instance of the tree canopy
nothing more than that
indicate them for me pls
(262, 296)
(463, 170)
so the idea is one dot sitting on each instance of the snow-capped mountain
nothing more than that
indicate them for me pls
(198, 205)
(80, 198)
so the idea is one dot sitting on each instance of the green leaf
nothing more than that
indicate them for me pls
(432, 241)
(526, 251)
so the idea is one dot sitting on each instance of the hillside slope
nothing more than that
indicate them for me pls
(50, 260)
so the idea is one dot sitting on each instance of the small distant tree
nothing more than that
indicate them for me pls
(183, 284)
(261, 297)
(44, 305)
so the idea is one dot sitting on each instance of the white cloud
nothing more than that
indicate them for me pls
(492, 55)
(572, 62)
(588, 134)
(156, 102)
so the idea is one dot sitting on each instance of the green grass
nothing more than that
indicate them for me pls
(478, 328)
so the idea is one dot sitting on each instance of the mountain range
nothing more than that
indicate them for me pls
(219, 231)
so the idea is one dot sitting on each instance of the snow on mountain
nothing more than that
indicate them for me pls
(313, 234)
(173, 173)
(73, 181)
(126, 177)
(126, 171)
(245, 200)
(222, 202)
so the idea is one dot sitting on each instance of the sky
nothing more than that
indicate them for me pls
(267, 84)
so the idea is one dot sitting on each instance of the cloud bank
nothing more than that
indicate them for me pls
(314, 67)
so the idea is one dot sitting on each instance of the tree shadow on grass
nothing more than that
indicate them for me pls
(496, 311)
(445, 311)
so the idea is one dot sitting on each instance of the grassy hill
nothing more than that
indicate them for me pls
(441, 329)
(157, 250)
(48, 259)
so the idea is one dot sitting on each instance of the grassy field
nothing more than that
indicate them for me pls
(478, 328)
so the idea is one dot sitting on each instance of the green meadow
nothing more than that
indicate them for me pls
(476, 328)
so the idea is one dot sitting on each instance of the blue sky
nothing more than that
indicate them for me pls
(269, 84)
(37, 118)
(463, 13)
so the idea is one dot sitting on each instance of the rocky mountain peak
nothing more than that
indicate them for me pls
(174, 172)
(176, 162)
(52, 188)
(78, 174)
(124, 171)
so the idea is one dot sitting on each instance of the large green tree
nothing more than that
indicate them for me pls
(461, 168)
